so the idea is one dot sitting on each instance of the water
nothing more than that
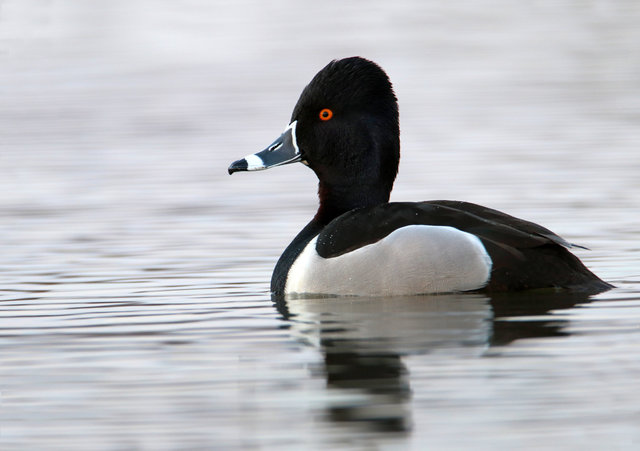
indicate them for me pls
(135, 312)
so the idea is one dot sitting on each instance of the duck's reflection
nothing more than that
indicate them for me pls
(363, 341)
(382, 377)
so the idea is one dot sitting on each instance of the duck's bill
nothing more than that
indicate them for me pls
(283, 150)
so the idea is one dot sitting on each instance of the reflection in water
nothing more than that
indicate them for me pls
(364, 339)
(381, 376)
(528, 314)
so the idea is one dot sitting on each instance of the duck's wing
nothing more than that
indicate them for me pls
(524, 255)
(498, 217)
(364, 226)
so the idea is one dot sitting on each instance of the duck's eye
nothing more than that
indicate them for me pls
(325, 114)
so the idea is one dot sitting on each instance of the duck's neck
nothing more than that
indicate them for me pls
(338, 199)
(334, 201)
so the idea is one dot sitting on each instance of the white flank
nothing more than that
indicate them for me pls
(416, 259)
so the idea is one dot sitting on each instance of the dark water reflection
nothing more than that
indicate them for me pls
(363, 341)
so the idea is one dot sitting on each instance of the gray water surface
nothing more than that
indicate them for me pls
(134, 303)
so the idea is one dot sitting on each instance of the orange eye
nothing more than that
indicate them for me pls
(326, 114)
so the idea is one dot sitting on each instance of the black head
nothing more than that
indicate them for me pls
(347, 125)
(345, 128)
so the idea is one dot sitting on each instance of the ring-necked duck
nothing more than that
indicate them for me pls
(345, 128)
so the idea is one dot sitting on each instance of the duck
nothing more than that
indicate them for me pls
(345, 128)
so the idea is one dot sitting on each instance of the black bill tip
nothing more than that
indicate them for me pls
(237, 166)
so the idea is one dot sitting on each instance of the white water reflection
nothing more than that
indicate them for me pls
(364, 342)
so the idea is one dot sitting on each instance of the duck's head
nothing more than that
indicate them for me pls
(345, 128)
